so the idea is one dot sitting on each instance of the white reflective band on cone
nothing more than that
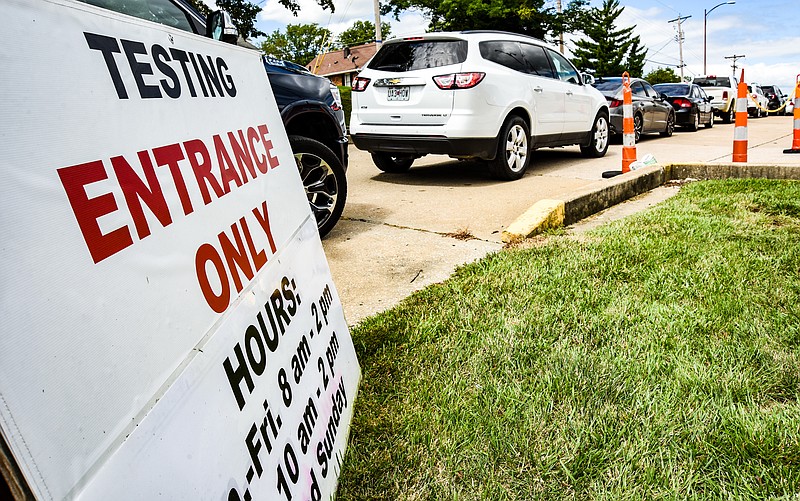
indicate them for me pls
(741, 105)
(740, 134)
(627, 110)
(628, 140)
(797, 124)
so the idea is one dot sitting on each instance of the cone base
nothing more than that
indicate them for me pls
(792, 151)
(611, 173)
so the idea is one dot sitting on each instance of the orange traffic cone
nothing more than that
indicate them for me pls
(628, 131)
(796, 136)
(740, 126)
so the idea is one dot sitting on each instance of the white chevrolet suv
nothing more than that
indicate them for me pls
(475, 94)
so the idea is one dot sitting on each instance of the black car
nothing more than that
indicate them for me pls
(651, 110)
(310, 106)
(776, 98)
(691, 104)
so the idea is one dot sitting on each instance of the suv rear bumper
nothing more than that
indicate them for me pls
(480, 147)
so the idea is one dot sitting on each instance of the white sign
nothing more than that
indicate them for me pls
(170, 326)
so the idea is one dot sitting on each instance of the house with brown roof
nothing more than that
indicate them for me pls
(342, 66)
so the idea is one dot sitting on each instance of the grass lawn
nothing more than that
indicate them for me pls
(657, 357)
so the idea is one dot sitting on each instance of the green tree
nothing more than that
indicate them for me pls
(662, 75)
(609, 51)
(362, 32)
(243, 12)
(299, 44)
(528, 17)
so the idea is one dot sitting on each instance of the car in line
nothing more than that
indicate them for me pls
(310, 105)
(757, 102)
(652, 112)
(691, 104)
(723, 91)
(486, 95)
(776, 99)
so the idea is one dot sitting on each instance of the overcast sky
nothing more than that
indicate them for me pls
(767, 32)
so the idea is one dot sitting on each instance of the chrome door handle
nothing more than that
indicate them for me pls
(537, 89)
(569, 92)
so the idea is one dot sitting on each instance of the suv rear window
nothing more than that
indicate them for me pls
(418, 55)
(713, 82)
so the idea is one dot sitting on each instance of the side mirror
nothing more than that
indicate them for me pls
(587, 79)
(219, 26)
(664, 97)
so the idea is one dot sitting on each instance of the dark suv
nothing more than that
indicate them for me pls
(310, 105)
(775, 97)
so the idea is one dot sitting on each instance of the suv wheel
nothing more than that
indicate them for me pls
(710, 121)
(599, 142)
(513, 151)
(394, 164)
(323, 179)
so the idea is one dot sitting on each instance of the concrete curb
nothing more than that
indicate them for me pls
(601, 195)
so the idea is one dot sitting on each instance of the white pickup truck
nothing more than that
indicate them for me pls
(723, 93)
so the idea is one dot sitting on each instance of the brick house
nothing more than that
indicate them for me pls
(342, 66)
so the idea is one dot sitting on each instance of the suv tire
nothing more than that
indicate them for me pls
(394, 164)
(323, 179)
(598, 144)
(513, 151)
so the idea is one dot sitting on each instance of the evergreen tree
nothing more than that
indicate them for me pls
(609, 51)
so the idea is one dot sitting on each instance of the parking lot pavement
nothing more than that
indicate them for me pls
(402, 232)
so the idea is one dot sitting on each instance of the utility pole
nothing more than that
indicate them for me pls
(560, 35)
(735, 58)
(378, 40)
(680, 19)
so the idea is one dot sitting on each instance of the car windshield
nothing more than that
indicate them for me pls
(713, 82)
(673, 89)
(412, 55)
(607, 84)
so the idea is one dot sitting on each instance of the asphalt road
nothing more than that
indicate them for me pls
(402, 232)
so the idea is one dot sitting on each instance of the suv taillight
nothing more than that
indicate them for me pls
(614, 103)
(725, 95)
(458, 80)
(360, 84)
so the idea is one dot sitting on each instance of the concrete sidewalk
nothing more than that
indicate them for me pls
(403, 232)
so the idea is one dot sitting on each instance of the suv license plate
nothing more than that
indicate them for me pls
(398, 93)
